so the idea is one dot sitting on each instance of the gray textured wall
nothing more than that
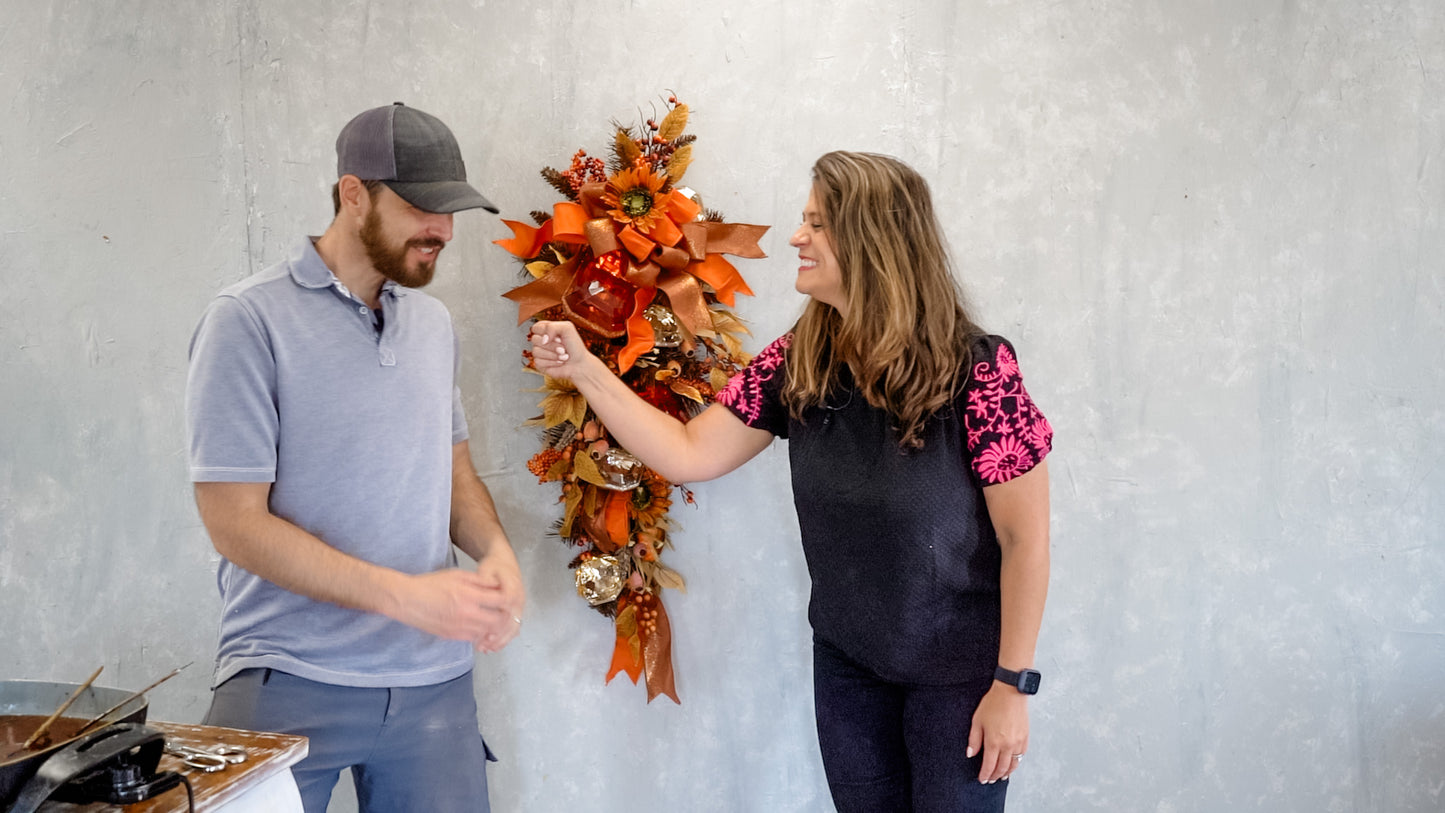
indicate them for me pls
(1212, 229)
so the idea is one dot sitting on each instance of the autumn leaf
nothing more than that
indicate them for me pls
(731, 343)
(669, 578)
(559, 469)
(679, 162)
(573, 500)
(627, 622)
(625, 148)
(660, 575)
(539, 268)
(586, 468)
(687, 390)
(562, 404)
(673, 123)
(724, 322)
(718, 378)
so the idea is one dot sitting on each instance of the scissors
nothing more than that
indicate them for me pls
(210, 759)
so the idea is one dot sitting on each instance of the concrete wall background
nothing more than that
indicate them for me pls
(1213, 231)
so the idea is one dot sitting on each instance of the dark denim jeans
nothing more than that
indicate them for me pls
(895, 748)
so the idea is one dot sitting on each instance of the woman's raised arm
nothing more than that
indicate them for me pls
(708, 446)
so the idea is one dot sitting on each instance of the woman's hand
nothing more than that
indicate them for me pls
(1001, 730)
(557, 349)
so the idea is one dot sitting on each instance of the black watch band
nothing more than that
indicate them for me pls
(1025, 680)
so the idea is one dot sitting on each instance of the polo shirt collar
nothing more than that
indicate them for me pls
(309, 271)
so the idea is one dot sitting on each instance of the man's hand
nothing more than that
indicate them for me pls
(453, 603)
(508, 598)
(477, 531)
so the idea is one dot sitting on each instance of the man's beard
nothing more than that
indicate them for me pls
(391, 261)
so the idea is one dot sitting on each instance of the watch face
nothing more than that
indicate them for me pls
(1029, 681)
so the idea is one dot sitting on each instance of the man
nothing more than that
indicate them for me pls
(329, 453)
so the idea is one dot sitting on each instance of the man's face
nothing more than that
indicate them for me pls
(401, 241)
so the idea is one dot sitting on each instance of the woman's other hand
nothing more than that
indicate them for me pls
(1001, 730)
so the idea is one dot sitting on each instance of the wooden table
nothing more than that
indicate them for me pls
(267, 756)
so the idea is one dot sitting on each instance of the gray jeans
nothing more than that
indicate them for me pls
(416, 748)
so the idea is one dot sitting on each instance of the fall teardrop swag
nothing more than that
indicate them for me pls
(636, 262)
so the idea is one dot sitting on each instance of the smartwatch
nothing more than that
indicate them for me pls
(1025, 680)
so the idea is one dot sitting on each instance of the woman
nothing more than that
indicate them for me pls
(919, 479)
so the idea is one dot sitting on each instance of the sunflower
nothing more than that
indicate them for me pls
(650, 501)
(633, 196)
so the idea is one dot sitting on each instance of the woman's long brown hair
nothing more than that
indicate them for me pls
(906, 336)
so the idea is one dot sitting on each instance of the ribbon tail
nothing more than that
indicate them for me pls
(524, 241)
(737, 239)
(722, 276)
(624, 659)
(543, 293)
(657, 654)
(639, 331)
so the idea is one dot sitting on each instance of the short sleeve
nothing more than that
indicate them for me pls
(755, 394)
(459, 415)
(231, 410)
(1007, 435)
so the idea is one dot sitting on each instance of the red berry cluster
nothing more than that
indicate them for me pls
(542, 462)
(584, 169)
(656, 150)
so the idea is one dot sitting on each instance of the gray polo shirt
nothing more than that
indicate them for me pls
(292, 384)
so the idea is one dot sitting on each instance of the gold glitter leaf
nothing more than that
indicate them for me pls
(540, 268)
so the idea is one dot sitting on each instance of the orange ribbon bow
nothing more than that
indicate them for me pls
(676, 255)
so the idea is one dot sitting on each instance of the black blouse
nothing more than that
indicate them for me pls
(903, 558)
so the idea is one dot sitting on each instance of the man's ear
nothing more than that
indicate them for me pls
(355, 200)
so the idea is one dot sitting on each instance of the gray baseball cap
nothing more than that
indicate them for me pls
(413, 153)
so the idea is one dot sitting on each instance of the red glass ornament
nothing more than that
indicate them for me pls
(600, 299)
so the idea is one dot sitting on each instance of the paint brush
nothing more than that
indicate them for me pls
(99, 717)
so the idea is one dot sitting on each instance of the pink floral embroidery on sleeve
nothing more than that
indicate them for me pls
(744, 392)
(1007, 434)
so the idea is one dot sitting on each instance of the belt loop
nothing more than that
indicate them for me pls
(266, 676)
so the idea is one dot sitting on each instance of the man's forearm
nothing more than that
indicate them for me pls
(475, 527)
(253, 538)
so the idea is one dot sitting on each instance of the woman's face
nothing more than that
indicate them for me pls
(818, 273)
